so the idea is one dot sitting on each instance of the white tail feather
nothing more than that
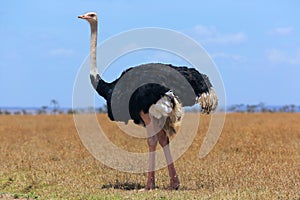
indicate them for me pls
(208, 101)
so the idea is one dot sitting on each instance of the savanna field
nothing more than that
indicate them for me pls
(256, 157)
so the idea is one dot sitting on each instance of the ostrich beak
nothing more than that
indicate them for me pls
(81, 17)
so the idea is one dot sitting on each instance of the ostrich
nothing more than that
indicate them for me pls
(154, 106)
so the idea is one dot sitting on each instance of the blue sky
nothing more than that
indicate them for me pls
(255, 44)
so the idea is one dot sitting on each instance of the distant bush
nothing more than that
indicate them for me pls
(6, 112)
(71, 111)
(261, 107)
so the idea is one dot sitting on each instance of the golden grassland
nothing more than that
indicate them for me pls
(256, 157)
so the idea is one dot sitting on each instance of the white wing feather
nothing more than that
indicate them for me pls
(167, 115)
(163, 107)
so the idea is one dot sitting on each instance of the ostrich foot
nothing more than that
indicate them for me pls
(174, 183)
(150, 185)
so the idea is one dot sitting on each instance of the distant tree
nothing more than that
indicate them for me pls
(236, 108)
(71, 111)
(292, 108)
(42, 110)
(102, 109)
(6, 112)
(265, 109)
(284, 108)
(17, 113)
(261, 107)
(25, 112)
(55, 106)
(251, 108)
(1, 112)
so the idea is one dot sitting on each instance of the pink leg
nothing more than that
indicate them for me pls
(155, 136)
(152, 143)
(164, 142)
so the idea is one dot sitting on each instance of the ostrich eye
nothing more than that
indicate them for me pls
(92, 15)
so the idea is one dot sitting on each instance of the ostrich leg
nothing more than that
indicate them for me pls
(164, 142)
(156, 134)
(152, 140)
(152, 143)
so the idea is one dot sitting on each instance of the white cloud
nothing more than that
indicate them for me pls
(235, 38)
(234, 57)
(62, 52)
(281, 31)
(210, 35)
(282, 57)
(205, 31)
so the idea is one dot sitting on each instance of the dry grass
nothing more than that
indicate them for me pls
(257, 157)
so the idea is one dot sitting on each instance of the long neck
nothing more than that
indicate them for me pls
(93, 50)
(94, 75)
(102, 87)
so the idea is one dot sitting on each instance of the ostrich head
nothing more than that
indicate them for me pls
(91, 17)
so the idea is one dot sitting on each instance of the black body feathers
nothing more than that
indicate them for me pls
(139, 89)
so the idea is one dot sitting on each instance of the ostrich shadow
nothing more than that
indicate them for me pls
(132, 186)
(123, 186)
